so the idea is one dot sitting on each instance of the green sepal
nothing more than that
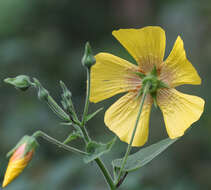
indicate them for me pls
(88, 59)
(31, 143)
(141, 75)
(21, 82)
(163, 85)
(154, 71)
(96, 150)
(144, 156)
(155, 84)
(90, 116)
(152, 80)
(74, 135)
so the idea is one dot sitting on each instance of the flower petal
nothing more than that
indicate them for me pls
(112, 75)
(177, 70)
(179, 110)
(121, 117)
(15, 168)
(146, 45)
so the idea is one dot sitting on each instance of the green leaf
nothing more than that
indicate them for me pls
(96, 150)
(74, 135)
(144, 156)
(90, 116)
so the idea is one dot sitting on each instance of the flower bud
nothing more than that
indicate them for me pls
(22, 154)
(21, 82)
(43, 94)
(66, 93)
(88, 59)
(66, 97)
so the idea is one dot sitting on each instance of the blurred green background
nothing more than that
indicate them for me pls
(45, 39)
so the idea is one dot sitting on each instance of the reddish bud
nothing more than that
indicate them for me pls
(19, 160)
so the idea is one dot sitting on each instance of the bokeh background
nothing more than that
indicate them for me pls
(45, 39)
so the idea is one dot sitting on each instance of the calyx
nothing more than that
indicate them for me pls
(154, 84)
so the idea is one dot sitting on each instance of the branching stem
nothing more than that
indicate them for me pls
(98, 161)
(56, 142)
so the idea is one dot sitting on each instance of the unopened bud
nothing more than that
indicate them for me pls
(66, 97)
(42, 92)
(22, 154)
(66, 93)
(45, 96)
(21, 82)
(88, 59)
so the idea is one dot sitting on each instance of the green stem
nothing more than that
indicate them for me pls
(56, 142)
(86, 107)
(85, 133)
(98, 161)
(106, 174)
(145, 91)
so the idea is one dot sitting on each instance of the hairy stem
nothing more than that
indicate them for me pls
(56, 142)
(98, 161)
(86, 107)
(145, 91)
(106, 174)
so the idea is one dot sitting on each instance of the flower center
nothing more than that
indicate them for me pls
(153, 81)
(155, 84)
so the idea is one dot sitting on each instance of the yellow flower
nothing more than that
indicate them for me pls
(19, 160)
(112, 75)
